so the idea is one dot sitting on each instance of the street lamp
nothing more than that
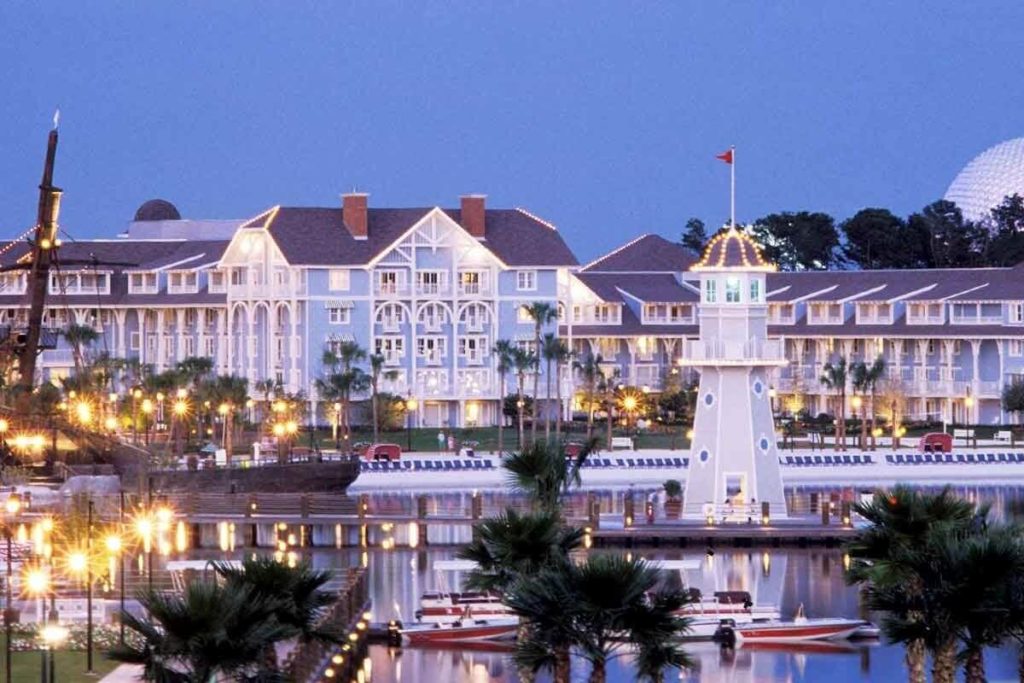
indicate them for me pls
(79, 564)
(12, 508)
(147, 409)
(410, 409)
(54, 633)
(37, 584)
(856, 402)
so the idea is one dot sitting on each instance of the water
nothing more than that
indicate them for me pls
(790, 577)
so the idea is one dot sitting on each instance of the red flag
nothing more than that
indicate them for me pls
(725, 156)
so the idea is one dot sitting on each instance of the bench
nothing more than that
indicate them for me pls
(966, 434)
(622, 442)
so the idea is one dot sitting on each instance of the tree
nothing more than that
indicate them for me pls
(544, 473)
(603, 605)
(875, 238)
(194, 369)
(592, 375)
(523, 362)
(343, 379)
(296, 595)
(798, 241)
(376, 369)
(1013, 398)
(1006, 246)
(865, 379)
(226, 394)
(541, 313)
(502, 351)
(882, 560)
(695, 236)
(952, 241)
(205, 631)
(553, 350)
(834, 377)
(80, 337)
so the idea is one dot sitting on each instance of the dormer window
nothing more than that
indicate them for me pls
(142, 283)
(218, 283)
(755, 291)
(182, 282)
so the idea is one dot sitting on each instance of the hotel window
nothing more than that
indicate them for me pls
(470, 282)
(710, 291)
(389, 281)
(133, 341)
(527, 345)
(1017, 313)
(190, 317)
(431, 349)
(523, 315)
(755, 291)
(392, 348)
(142, 283)
(473, 349)
(338, 280)
(432, 317)
(645, 348)
(930, 348)
(217, 282)
(182, 282)
(732, 290)
(473, 317)
(1016, 347)
(190, 347)
(338, 315)
(210, 346)
(210, 317)
(526, 280)
(391, 316)
(431, 282)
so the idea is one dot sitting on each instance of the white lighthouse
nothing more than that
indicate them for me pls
(734, 460)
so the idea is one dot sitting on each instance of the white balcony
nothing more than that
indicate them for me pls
(264, 290)
(751, 352)
(471, 289)
(391, 290)
(433, 290)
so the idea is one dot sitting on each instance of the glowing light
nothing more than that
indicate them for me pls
(856, 402)
(180, 407)
(180, 538)
(110, 423)
(77, 562)
(13, 504)
(182, 394)
(37, 581)
(113, 543)
(223, 408)
(278, 429)
(54, 634)
(147, 406)
(4, 425)
(291, 426)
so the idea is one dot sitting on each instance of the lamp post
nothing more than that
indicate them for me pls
(12, 508)
(136, 395)
(54, 633)
(856, 402)
(410, 409)
(147, 409)
(37, 583)
(337, 427)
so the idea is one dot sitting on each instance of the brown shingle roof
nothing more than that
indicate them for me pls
(317, 236)
(646, 254)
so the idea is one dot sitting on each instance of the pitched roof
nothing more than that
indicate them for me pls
(318, 236)
(649, 288)
(645, 254)
(732, 249)
(889, 285)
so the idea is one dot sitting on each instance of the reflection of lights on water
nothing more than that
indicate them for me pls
(337, 536)
(846, 561)
(364, 559)
(414, 534)
(766, 562)
(479, 674)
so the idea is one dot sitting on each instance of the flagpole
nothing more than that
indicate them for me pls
(732, 188)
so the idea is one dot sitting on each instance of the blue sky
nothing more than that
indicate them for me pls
(603, 117)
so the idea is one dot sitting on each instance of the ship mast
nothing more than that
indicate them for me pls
(44, 250)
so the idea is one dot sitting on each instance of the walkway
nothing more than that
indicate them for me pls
(126, 673)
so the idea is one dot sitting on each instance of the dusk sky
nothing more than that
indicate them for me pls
(603, 118)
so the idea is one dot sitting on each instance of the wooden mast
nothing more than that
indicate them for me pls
(44, 249)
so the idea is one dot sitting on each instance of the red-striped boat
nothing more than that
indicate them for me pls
(463, 631)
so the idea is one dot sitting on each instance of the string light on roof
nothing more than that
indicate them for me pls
(23, 236)
(716, 253)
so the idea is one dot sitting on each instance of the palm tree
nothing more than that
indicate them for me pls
(608, 387)
(195, 369)
(523, 361)
(296, 594)
(874, 374)
(859, 383)
(602, 606)
(542, 313)
(79, 336)
(503, 356)
(550, 350)
(834, 377)
(231, 392)
(561, 355)
(544, 473)
(376, 370)
(205, 631)
(882, 560)
(590, 370)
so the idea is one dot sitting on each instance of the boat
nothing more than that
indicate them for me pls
(468, 630)
(439, 608)
(800, 629)
(723, 604)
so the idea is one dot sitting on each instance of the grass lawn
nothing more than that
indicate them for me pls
(70, 666)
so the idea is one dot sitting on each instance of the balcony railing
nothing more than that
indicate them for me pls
(388, 289)
(469, 289)
(431, 289)
(961, 319)
(696, 351)
(266, 290)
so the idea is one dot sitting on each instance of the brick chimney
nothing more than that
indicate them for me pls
(474, 214)
(353, 213)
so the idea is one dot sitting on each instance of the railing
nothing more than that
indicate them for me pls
(752, 350)
(961, 319)
(386, 289)
(430, 289)
(266, 290)
(474, 289)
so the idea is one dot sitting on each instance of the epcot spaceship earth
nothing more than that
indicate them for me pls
(990, 176)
